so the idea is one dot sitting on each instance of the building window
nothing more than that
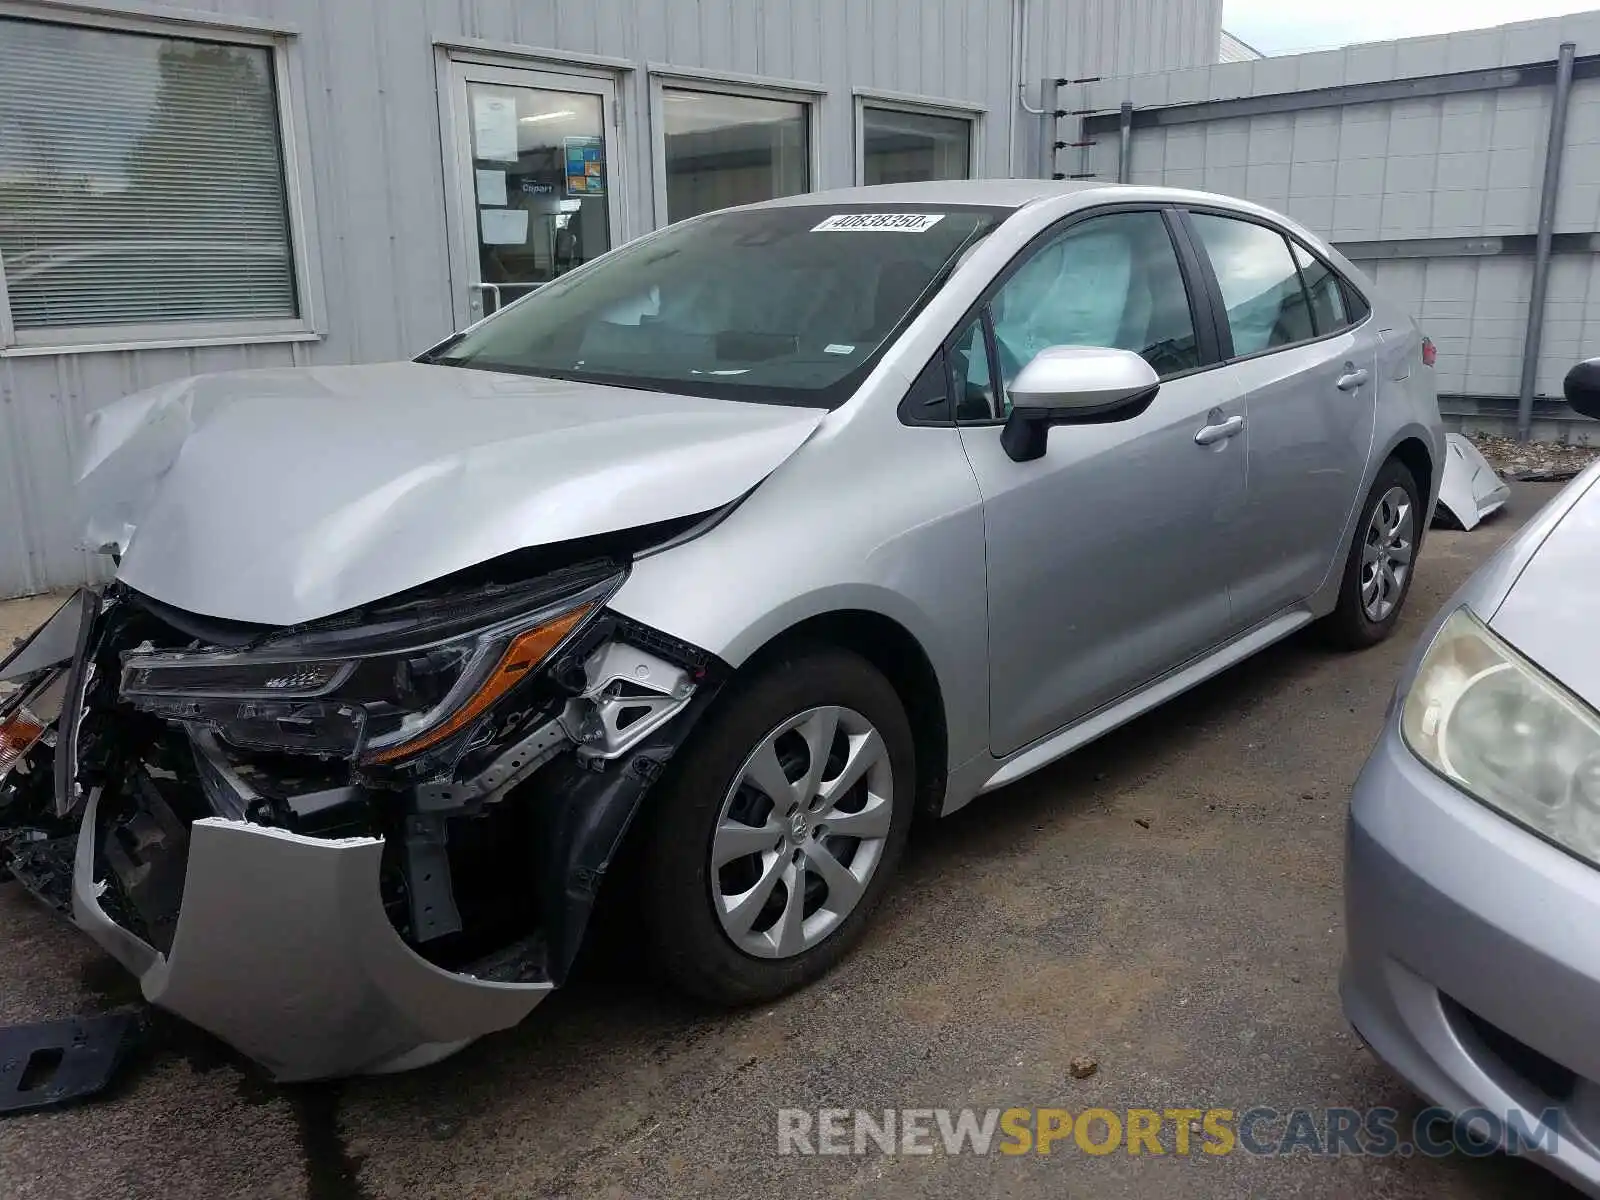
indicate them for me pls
(723, 149)
(902, 146)
(142, 187)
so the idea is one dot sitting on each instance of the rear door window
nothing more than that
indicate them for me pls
(1355, 304)
(1328, 310)
(1261, 292)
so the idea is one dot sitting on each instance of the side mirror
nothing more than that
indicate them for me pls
(1074, 385)
(1582, 387)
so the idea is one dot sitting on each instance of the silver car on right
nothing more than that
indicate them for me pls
(1472, 885)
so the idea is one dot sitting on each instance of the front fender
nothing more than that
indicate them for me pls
(886, 520)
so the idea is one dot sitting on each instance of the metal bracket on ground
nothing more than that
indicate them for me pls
(56, 1062)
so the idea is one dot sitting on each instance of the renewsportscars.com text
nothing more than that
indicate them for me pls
(1324, 1132)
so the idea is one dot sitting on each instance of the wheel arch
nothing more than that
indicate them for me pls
(1417, 458)
(1409, 445)
(895, 652)
(883, 641)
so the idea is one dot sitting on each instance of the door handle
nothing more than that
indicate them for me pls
(1211, 434)
(1354, 379)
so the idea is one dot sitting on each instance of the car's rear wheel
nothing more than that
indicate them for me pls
(1377, 574)
(779, 828)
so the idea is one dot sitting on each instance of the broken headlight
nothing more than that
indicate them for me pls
(382, 686)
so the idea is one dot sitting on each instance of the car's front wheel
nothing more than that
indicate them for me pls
(779, 827)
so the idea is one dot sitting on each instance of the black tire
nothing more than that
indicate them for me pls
(686, 936)
(1349, 626)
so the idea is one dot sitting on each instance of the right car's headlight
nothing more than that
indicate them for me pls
(1502, 730)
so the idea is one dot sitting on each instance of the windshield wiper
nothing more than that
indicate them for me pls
(436, 356)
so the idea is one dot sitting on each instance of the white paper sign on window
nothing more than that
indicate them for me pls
(491, 187)
(494, 126)
(504, 226)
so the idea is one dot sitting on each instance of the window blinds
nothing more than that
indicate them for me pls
(141, 180)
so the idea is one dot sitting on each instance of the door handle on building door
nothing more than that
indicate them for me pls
(481, 291)
(1211, 434)
(1350, 381)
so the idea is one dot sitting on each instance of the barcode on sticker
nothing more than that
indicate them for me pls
(879, 223)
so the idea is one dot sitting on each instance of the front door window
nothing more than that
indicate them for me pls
(1112, 281)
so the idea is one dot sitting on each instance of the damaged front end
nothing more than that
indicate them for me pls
(353, 845)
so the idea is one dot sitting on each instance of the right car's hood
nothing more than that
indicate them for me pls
(1551, 610)
(282, 496)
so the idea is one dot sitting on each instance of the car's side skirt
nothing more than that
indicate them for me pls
(1120, 712)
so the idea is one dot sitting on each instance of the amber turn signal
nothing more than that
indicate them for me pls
(526, 651)
(18, 732)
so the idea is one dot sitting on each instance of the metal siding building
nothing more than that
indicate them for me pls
(1424, 160)
(1232, 49)
(1084, 39)
(371, 97)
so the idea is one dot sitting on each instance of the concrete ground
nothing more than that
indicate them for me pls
(1166, 902)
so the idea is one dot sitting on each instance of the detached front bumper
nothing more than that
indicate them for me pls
(1470, 489)
(284, 951)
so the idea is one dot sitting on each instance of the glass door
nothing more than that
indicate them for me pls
(532, 165)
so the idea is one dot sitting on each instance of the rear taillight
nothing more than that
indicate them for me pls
(1429, 352)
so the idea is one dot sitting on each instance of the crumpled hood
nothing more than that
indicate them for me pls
(285, 495)
(1550, 612)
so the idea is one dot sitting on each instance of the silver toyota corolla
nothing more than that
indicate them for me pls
(1472, 900)
(688, 582)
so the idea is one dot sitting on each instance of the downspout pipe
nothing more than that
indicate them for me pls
(1533, 341)
(1124, 141)
(1019, 41)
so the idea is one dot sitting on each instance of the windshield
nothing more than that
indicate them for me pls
(775, 305)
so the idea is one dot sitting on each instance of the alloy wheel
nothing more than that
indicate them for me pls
(801, 832)
(1386, 554)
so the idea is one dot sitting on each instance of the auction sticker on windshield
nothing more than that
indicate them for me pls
(879, 222)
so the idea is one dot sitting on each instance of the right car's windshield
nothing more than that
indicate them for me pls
(780, 305)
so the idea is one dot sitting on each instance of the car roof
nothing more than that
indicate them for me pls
(992, 193)
(1010, 194)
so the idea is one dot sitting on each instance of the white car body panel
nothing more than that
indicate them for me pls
(1470, 489)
